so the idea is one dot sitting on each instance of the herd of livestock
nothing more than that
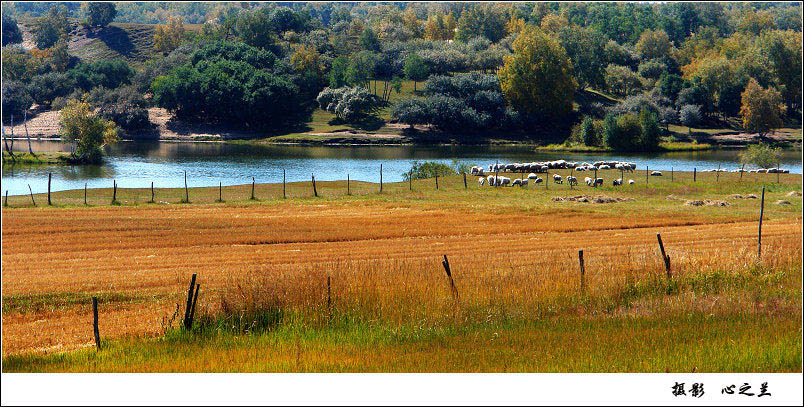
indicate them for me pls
(534, 168)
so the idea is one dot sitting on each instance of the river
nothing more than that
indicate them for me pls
(137, 164)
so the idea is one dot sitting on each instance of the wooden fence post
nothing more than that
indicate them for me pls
(647, 175)
(5, 203)
(220, 191)
(665, 257)
(410, 180)
(445, 263)
(152, 192)
(192, 309)
(48, 188)
(315, 191)
(380, 178)
(95, 321)
(717, 175)
(759, 235)
(465, 186)
(348, 188)
(778, 170)
(284, 179)
(741, 171)
(31, 191)
(694, 174)
(436, 177)
(252, 188)
(85, 193)
(114, 191)
(186, 192)
(497, 174)
(583, 271)
(671, 174)
(189, 302)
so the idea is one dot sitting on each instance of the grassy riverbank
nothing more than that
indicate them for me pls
(36, 158)
(664, 147)
(521, 305)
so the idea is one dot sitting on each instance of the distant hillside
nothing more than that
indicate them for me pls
(129, 41)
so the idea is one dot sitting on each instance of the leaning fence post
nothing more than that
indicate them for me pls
(759, 235)
(583, 271)
(445, 263)
(48, 188)
(315, 191)
(189, 306)
(95, 321)
(464, 181)
(31, 191)
(192, 309)
(665, 257)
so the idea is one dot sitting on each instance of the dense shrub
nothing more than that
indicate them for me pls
(349, 104)
(107, 73)
(47, 87)
(16, 100)
(429, 169)
(231, 83)
(124, 106)
(622, 133)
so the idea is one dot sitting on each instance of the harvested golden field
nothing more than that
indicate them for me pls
(513, 254)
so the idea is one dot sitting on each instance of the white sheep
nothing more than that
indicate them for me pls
(572, 180)
(630, 182)
(598, 181)
(505, 181)
(517, 182)
(538, 181)
(557, 179)
(656, 174)
(532, 176)
(481, 181)
(604, 167)
(617, 182)
(588, 181)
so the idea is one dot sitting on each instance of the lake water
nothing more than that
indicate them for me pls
(136, 164)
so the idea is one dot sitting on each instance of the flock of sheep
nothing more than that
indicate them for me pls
(542, 167)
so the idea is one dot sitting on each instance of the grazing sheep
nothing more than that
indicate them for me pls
(524, 183)
(557, 179)
(598, 181)
(517, 182)
(572, 180)
(481, 181)
(580, 168)
(490, 179)
(505, 181)
(604, 167)
(473, 170)
(588, 181)
(656, 174)
(630, 182)
(617, 182)
(480, 171)
(532, 176)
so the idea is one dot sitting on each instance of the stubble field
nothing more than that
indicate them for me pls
(521, 303)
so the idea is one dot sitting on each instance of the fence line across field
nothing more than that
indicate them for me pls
(315, 193)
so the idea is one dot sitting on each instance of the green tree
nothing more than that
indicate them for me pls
(369, 41)
(762, 109)
(588, 134)
(649, 130)
(100, 14)
(51, 28)
(81, 126)
(416, 69)
(537, 78)
(16, 99)
(411, 111)
(622, 133)
(653, 44)
(11, 31)
(586, 50)
(762, 155)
